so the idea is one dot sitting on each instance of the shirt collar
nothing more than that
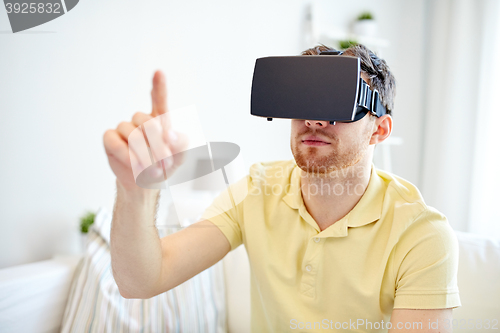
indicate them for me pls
(367, 210)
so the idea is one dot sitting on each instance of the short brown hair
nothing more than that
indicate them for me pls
(381, 77)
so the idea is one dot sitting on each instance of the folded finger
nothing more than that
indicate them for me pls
(115, 146)
(124, 129)
(134, 137)
(140, 118)
(154, 130)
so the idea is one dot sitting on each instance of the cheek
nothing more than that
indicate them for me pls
(296, 126)
(343, 132)
(350, 135)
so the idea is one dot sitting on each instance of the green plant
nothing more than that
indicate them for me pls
(345, 44)
(86, 221)
(365, 16)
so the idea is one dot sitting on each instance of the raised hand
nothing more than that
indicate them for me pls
(147, 145)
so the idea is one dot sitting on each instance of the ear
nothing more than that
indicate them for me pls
(383, 128)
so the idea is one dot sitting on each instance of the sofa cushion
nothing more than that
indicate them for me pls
(95, 304)
(478, 282)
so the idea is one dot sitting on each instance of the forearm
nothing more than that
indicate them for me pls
(136, 254)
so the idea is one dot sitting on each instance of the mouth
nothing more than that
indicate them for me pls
(314, 141)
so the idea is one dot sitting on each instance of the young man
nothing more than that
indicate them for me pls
(333, 242)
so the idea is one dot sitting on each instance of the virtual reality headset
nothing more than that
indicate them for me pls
(326, 87)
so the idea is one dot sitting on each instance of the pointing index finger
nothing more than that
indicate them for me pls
(159, 94)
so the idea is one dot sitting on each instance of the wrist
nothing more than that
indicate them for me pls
(136, 194)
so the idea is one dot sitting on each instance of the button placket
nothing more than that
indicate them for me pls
(310, 266)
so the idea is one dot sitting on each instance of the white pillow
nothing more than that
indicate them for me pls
(478, 283)
(95, 304)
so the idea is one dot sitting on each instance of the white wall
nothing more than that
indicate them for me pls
(65, 82)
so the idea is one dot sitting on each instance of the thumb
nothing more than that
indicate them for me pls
(159, 94)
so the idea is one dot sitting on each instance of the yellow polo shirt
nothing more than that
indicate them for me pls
(390, 251)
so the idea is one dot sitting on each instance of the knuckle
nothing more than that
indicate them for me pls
(106, 137)
(122, 124)
(107, 133)
(112, 141)
(115, 145)
(139, 118)
(137, 115)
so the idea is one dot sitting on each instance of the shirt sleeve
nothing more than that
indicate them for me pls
(226, 211)
(426, 264)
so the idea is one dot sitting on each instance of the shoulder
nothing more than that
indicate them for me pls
(400, 188)
(402, 198)
(431, 226)
(415, 217)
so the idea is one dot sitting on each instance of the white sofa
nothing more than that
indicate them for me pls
(33, 296)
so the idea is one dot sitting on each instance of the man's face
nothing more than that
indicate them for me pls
(320, 148)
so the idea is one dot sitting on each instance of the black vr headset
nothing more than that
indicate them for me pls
(316, 88)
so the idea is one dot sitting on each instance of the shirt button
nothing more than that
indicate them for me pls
(317, 239)
(308, 268)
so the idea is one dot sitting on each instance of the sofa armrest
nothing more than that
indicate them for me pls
(33, 296)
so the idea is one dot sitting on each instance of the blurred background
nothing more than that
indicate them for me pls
(67, 81)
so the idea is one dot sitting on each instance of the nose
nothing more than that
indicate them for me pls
(316, 123)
